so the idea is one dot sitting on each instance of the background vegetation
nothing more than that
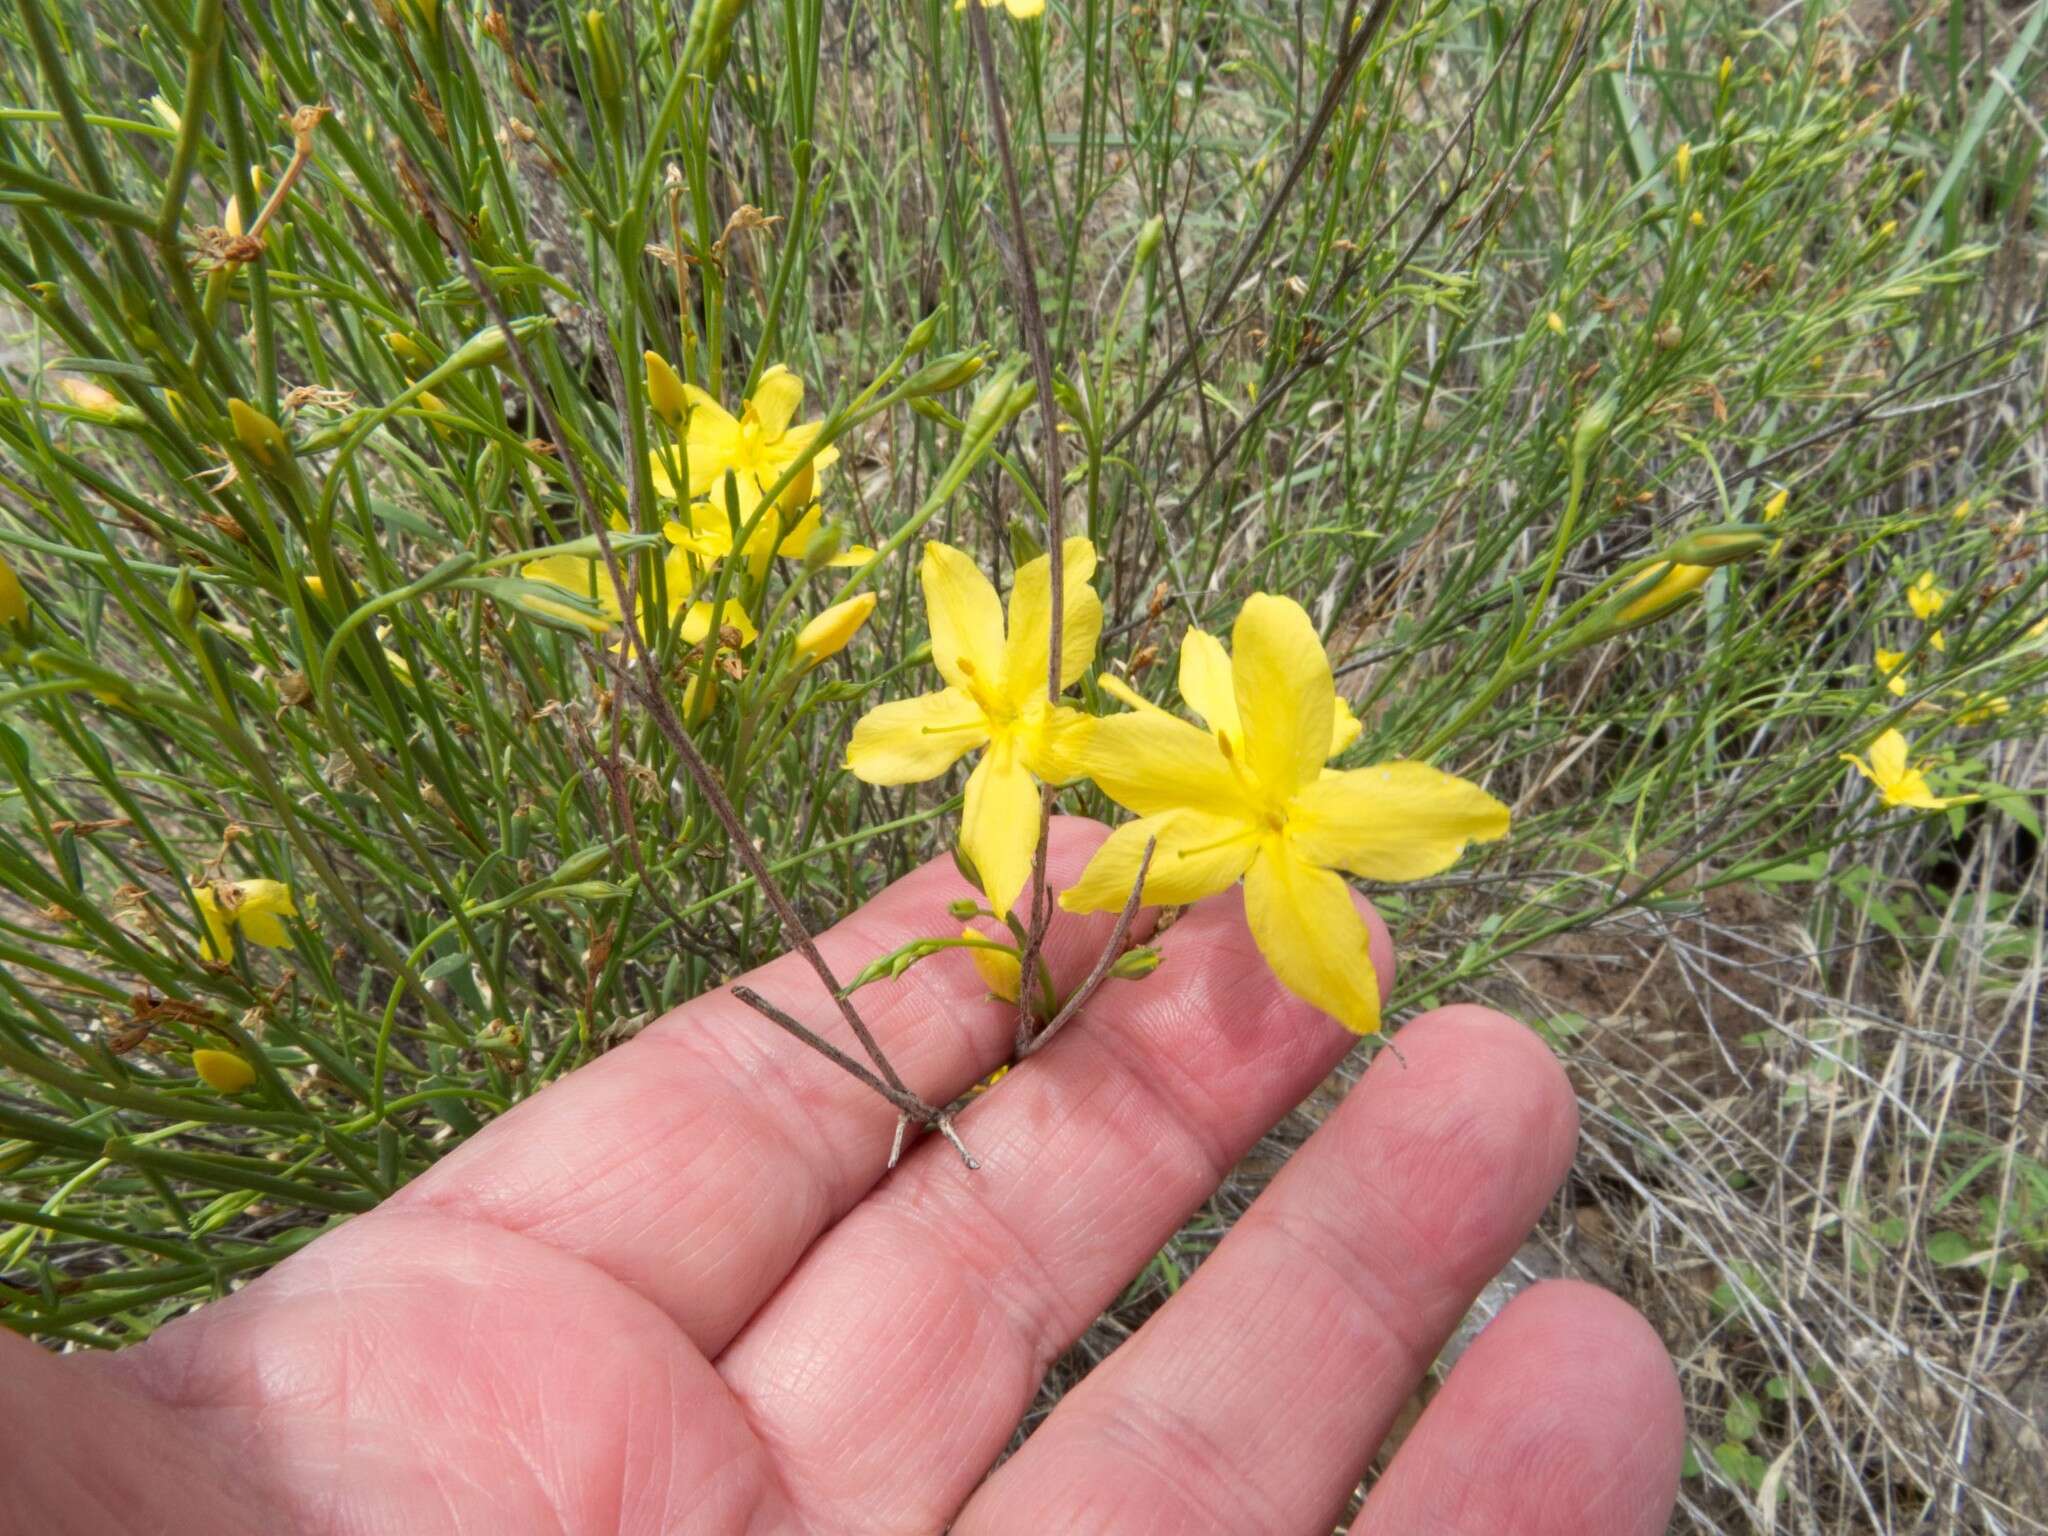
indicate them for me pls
(1401, 250)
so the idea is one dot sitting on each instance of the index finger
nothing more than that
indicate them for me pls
(697, 1162)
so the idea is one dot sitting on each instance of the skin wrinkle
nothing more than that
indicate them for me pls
(265, 1430)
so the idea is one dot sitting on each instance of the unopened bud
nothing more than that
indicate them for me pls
(184, 601)
(223, 1071)
(923, 334)
(1682, 163)
(665, 390)
(412, 357)
(1592, 428)
(944, 373)
(256, 432)
(1135, 964)
(962, 909)
(1658, 591)
(1150, 234)
(1721, 544)
(828, 634)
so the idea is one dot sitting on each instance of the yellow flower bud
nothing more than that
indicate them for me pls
(1001, 971)
(665, 390)
(1682, 163)
(1718, 545)
(828, 633)
(263, 437)
(223, 1071)
(1555, 321)
(1775, 507)
(1727, 69)
(1672, 585)
(412, 357)
(13, 601)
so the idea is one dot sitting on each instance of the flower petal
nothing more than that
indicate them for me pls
(776, 400)
(1024, 667)
(1392, 821)
(713, 437)
(1286, 697)
(218, 943)
(999, 824)
(1344, 726)
(586, 578)
(1198, 855)
(1002, 969)
(796, 440)
(1205, 682)
(1312, 936)
(1888, 757)
(907, 741)
(965, 615)
(1148, 761)
(731, 615)
(257, 914)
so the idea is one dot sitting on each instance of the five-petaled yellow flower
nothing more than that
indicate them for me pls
(1896, 782)
(1250, 796)
(995, 696)
(761, 442)
(254, 906)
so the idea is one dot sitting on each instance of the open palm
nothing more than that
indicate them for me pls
(677, 1293)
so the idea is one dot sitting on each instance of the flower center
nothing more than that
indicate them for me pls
(748, 451)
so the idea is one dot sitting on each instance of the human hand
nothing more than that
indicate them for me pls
(677, 1293)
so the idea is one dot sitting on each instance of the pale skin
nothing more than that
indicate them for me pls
(677, 1293)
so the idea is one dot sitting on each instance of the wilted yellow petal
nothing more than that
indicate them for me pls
(1198, 855)
(218, 942)
(1286, 698)
(1030, 628)
(908, 741)
(966, 618)
(1392, 821)
(999, 824)
(262, 903)
(665, 390)
(222, 1071)
(1312, 936)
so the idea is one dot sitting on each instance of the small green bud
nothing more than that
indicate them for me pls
(1135, 964)
(1150, 234)
(184, 601)
(1591, 431)
(963, 909)
(923, 334)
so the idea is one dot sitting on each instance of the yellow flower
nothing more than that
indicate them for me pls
(1775, 507)
(1895, 781)
(709, 533)
(1020, 10)
(223, 1071)
(1250, 796)
(1890, 669)
(994, 697)
(1926, 599)
(13, 600)
(1555, 321)
(1986, 706)
(254, 906)
(1001, 970)
(760, 443)
(1675, 582)
(590, 579)
(827, 634)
